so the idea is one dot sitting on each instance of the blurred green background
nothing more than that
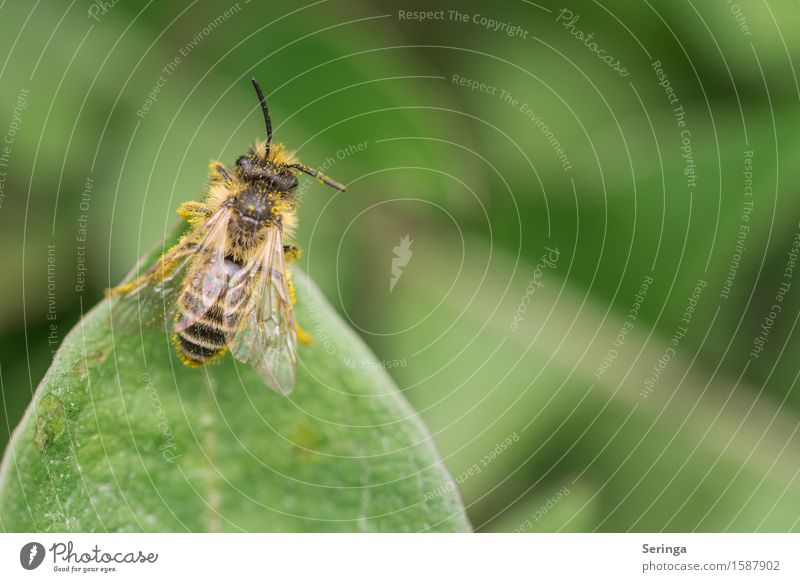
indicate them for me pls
(493, 135)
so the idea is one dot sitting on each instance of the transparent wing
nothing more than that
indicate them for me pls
(259, 306)
(206, 280)
(151, 299)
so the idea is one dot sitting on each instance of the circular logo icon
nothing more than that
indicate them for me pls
(31, 555)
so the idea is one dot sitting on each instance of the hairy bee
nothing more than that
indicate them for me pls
(226, 282)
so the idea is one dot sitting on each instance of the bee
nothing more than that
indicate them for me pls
(226, 284)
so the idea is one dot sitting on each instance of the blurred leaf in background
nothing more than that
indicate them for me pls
(484, 135)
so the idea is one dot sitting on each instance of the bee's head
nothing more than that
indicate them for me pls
(266, 175)
(266, 190)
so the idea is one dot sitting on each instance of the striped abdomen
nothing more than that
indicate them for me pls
(207, 315)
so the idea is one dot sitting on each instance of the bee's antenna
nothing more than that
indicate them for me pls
(265, 110)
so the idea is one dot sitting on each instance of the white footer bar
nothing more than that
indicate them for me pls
(401, 557)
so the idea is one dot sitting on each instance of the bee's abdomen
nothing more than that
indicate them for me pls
(201, 334)
(203, 340)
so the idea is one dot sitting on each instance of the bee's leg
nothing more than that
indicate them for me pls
(291, 253)
(126, 287)
(193, 211)
(218, 172)
(302, 335)
(161, 270)
(156, 274)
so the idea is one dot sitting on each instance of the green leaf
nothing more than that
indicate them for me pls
(122, 437)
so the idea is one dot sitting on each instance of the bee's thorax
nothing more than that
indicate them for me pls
(254, 205)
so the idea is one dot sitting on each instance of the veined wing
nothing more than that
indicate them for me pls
(259, 306)
(151, 299)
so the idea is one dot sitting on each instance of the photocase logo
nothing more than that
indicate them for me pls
(402, 255)
(31, 555)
